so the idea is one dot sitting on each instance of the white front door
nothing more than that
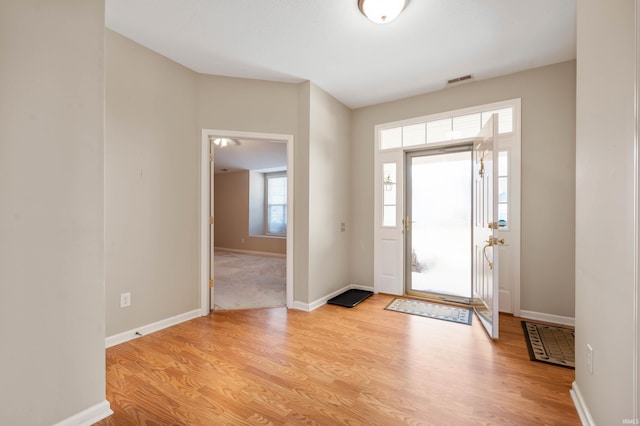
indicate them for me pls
(485, 223)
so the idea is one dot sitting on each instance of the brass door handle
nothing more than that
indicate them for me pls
(406, 222)
(492, 241)
(484, 253)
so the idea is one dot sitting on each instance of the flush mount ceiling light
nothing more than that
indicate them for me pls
(222, 142)
(381, 11)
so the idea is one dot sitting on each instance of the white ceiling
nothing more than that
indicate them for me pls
(330, 43)
(250, 154)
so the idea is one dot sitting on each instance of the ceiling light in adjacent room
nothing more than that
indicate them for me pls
(381, 11)
(222, 142)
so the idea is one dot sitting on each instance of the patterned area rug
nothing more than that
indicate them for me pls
(432, 310)
(550, 344)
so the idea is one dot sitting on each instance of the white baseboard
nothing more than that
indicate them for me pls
(308, 307)
(554, 319)
(300, 306)
(254, 252)
(116, 339)
(87, 417)
(581, 406)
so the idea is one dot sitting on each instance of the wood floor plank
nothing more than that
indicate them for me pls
(334, 366)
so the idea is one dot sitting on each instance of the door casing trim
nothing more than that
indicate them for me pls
(205, 200)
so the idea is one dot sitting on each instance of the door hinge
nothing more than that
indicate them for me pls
(211, 157)
(210, 283)
(210, 220)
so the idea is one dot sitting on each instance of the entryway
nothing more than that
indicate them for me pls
(493, 132)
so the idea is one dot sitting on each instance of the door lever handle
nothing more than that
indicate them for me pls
(407, 222)
(492, 241)
(484, 253)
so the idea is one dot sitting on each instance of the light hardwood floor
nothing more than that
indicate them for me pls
(334, 366)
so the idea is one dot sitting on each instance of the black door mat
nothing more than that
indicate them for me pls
(350, 298)
(550, 344)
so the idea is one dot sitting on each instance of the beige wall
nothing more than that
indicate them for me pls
(231, 212)
(321, 129)
(52, 248)
(150, 100)
(301, 197)
(51, 211)
(322, 157)
(606, 289)
(156, 108)
(548, 167)
(152, 186)
(329, 194)
(226, 103)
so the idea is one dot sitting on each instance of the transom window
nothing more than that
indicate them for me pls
(443, 130)
(412, 134)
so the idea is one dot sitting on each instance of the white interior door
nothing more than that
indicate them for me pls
(485, 223)
(211, 227)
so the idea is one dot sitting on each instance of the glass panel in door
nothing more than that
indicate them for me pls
(438, 225)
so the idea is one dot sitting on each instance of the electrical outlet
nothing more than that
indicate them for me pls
(343, 227)
(125, 300)
(590, 359)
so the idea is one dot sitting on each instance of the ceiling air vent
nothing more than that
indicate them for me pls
(459, 79)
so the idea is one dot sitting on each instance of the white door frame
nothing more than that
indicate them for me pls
(465, 146)
(512, 235)
(205, 202)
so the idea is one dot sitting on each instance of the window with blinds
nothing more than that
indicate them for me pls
(276, 203)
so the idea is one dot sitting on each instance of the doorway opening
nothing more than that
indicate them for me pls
(258, 230)
(250, 224)
(438, 225)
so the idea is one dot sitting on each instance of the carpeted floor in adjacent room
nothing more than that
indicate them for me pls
(245, 281)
